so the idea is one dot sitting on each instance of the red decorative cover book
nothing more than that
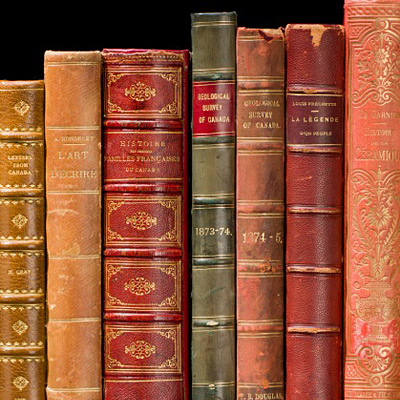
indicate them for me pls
(146, 348)
(372, 201)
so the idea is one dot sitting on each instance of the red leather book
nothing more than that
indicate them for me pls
(146, 348)
(372, 201)
(314, 179)
(260, 199)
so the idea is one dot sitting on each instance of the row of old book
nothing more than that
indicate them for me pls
(94, 196)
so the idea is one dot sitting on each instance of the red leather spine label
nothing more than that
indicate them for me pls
(213, 108)
(372, 201)
(145, 225)
(260, 213)
(314, 207)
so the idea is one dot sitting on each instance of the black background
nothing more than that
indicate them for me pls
(28, 30)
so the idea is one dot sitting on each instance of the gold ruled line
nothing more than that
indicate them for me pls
(226, 265)
(84, 128)
(216, 328)
(314, 145)
(248, 260)
(259, 80)
(216, 256)
(211, 134)
(26, 305)
(197, 268)
(258, 385)
(261, 77)
(55, 192)
(143, 380)
(261, 322)
(314, 330)
(251, 202)
(261, 215)
(7, 359)
(22, 88)
(56, 63)
(362, 386)
(74, 390)
(164, 178)
(216, 83)
(314, 151)
(213, 146)
(327, 94)
(260, 91)
(138, 131)
(265, 275)
(212, 207)
(76, 257)
(215, 195)
(75, 320)
(256, 152)
(314, 270)
(215, 22)
(251, 335)
(330, 211)
(217, 384)
(214, 317)
(260, 139)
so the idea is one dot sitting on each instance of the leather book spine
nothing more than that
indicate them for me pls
(314, 210)
(213, 206)
(260, 208)
(146, 298)
(73, 224)
(372, 201)
(22, 241)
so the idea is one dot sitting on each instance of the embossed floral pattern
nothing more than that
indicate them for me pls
(140, 92)
(375, 236)
(141, 221)
(140, 349)
(378, 64)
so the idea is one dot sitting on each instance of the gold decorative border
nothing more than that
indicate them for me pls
(173, 237)
(172, 365)
(173, 110)
(113, 267)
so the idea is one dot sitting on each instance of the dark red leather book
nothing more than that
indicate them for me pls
(314, 179)
(260, 201)
(146, 348)
(372, 201)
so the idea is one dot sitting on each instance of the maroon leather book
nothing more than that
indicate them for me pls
(314, 179)
(146, 348)
(260, 196)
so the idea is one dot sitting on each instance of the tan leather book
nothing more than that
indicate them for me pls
(73, 192)
(22, 255)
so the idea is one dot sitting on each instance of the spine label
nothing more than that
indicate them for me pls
(213, 105)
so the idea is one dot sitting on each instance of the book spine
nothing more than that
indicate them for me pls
(73, 222)
(372, 201)
(213, 206)
(22, 241)
(314, 178)
(145, 225)
(260, 207)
